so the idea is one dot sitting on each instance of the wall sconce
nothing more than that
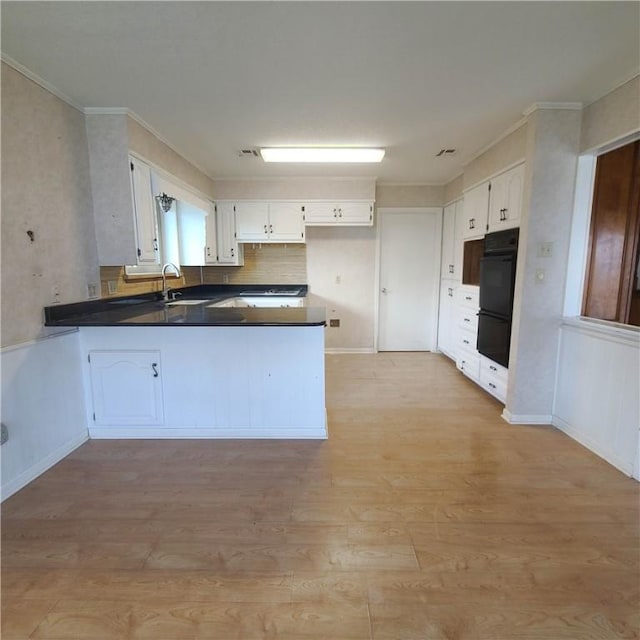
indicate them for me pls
(165, 201)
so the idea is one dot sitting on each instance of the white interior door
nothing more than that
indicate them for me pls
(409, 279)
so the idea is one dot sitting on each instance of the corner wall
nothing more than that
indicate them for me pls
(46, 190)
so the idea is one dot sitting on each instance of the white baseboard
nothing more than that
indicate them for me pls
(526, 419)
(626, 467)
(40, 467)
(334, 350)
(188, 433)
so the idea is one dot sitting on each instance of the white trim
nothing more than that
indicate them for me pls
(490, 177)
(603, 330)
(337, 350)
(41, 82)
(188, 433)
(413, 184)
(30, 343)
(106, 111)
(300, 200)
(559, 106)
(295, 178)
(620, 84)
(164, 174)
(613, 143)
(41, 466)
(507, 132)
(511, 418)
(585, 441)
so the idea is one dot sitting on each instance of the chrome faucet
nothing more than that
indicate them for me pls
(165, 289)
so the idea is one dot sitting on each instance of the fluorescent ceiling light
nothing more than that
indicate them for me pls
(321, 154)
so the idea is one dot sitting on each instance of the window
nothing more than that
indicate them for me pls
(612, 281)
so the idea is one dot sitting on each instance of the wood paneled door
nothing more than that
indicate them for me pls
(611, 286)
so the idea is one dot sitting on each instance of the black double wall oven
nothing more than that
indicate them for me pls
(497, 284)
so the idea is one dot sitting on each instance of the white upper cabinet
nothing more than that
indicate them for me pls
(451, 262)
(506, 199)
(476, 209)
(144, 209)
(229, 252)
(285, 222)
(211, 237)
(341, 214)
(269, 222)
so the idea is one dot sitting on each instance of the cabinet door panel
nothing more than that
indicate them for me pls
(513, 197)
(126, 387)
(320, 213)
(458, 241)
(497, 202)
(285, 222)
(226, 224)
(476, 207)
(211, 237)
(448, 229)
(144, 208)
(252, 221)
(355, 213)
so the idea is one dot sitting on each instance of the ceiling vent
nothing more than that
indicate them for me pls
(249, 153)
(445, 152)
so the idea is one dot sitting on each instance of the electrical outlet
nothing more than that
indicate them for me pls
(112, 286)
(92, 290)
(334, 322)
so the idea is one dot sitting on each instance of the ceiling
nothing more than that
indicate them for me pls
(414, 77)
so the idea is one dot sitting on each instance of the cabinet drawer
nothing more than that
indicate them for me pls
(494, 387)
(466, 340)
(469, 297)
(490, 370)
(469, 364)
(468, 319)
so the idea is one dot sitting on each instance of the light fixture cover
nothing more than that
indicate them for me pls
(321, 154)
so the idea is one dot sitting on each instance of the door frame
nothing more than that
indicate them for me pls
(376, 297)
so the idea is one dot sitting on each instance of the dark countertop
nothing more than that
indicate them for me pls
(149, 310)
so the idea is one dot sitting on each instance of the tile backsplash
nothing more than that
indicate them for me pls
(263, 264)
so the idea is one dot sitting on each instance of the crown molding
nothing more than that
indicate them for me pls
(628, 79)
(507, 132)
(411, 184)
(41, 82)
(106, 111)
(560, 106)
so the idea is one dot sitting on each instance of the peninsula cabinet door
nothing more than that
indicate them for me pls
(126, 387)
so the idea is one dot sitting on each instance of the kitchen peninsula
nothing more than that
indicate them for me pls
(217, 361)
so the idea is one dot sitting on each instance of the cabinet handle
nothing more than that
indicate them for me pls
(154, 366)
(472, 223)
(467, 297)
(466, 341)
(155, 244)
(208, 252)
(339, 213)
(233, 253)
(466, 320)
(270, 228)
(450, 292)
(493, 368)
(335, 213)
(493, 386)
(265, 228)
(450, 268)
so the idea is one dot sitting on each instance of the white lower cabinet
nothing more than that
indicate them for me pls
(126, 388)
(469, 363)
(493, 378)
(205, 382)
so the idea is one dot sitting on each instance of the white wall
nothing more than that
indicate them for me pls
(552, 155)
(597, 400)
(42, 406)
(45, 189)
(347, 254)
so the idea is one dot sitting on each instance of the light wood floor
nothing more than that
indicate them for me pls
(424, 516)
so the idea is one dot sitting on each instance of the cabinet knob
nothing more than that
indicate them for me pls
(233, 252)
(339, 213)
(492, 368)
(265, 228)
(270, 228)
